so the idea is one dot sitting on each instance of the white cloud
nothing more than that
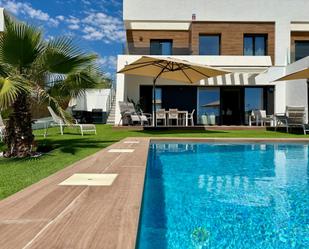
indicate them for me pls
(11, 6)
(86, 2)
(73, 23)
(100, 26)
(92, 33)
(108, 75)
(61, 18)
(74, 26)
(108, 62)
(26, 9)
(108, 65)
(93, 26)
(50, 37)
(33, 13)
(72, 20)
(53, 22)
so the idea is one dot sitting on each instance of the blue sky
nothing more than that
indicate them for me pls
(95, 24)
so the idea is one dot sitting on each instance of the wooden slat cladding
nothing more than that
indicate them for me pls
(139, 40)
(232, 35)
(187, 42)
(299, 36)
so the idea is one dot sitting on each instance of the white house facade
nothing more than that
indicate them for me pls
(255, 40)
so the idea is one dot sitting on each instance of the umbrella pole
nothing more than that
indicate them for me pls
(154, 103)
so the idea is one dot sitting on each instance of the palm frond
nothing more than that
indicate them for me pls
(10, 90)
(62, 57)
(76, 83)
(5, 70)
(20, 43)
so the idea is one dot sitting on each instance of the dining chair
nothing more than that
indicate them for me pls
(173, 115)
(266, 118)
(161, 115)
(191, 117)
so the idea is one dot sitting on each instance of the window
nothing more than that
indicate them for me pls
(161, 47)
(301, 49)
(208, 105)
(255, 45)
(254, 100)
(209, 44)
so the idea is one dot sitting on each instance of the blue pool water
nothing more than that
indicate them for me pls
(225, 196)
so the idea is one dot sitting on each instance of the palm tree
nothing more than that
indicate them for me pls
(36, 71)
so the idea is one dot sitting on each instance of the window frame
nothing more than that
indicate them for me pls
(161, 41)
(209, 34)
(295, 45)
(254, 36)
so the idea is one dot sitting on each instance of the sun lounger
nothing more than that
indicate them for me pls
(62, 123)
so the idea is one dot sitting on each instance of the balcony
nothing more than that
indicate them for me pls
(140, 49)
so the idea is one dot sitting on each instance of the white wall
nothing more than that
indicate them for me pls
(216, 10)
(283, 12)
(296, 90)
(288, 93)
(92, 99)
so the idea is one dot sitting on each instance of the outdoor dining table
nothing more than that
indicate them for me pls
(180, 113)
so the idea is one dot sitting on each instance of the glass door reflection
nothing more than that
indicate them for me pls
(253, 101)
(208, 105)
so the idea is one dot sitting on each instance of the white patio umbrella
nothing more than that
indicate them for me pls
(170, 69)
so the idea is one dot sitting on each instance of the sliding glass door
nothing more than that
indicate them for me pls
(232, 105)
(254, 100)
(208, 105)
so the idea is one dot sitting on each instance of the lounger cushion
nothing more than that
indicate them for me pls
(87, 126)
(135, 118)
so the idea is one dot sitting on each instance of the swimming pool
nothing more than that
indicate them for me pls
(200, 195)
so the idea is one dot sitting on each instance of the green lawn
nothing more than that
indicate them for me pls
(16, 174)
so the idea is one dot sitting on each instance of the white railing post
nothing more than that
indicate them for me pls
(110, 99)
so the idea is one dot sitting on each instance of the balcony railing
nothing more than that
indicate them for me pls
(142, 49)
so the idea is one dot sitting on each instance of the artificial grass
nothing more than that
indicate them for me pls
(16, 174)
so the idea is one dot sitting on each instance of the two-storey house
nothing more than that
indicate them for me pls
(254, 40)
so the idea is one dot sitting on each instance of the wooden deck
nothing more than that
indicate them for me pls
(46, 215)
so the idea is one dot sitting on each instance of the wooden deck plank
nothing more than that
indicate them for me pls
(102, 216)
(35, 194)
(16, 234)
(46, 215)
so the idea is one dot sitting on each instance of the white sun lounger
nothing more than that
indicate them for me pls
(62, 123)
